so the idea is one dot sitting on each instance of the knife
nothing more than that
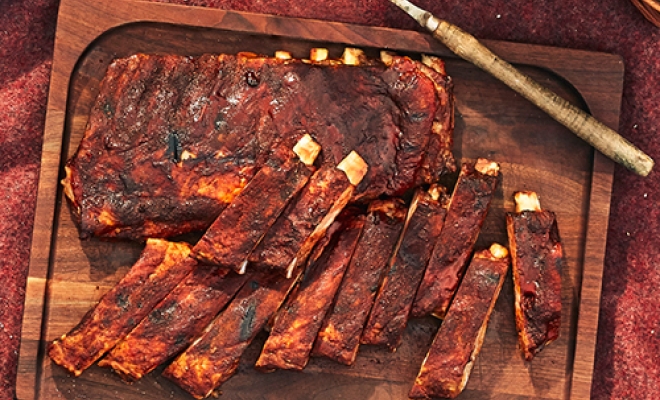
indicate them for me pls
(604, 139)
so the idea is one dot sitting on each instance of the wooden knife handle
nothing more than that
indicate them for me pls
(606, 140)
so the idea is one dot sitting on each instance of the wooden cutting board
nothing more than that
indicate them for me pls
(68, 276)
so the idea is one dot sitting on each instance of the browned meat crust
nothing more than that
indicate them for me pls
(448, 364)
(439, 150)
(389, 315)
(172, 140)
(214, 357)
(291, 238)
(467, 211)
(299, 321)
(149, 164)
(174, 322)
(339, 337)
(240, 227)
(161, 266)
(536, 253)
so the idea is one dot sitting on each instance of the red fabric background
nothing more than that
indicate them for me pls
(628, 353)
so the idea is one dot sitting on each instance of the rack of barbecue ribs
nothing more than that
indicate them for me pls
(467, 211)
(449, 361)
(172, 140)
(389, 315)
(161, 266)
(298, 322)
(239, 228)
(214, 357)
(536, 254)
(339, 336)
(174, 322)
(294, 234)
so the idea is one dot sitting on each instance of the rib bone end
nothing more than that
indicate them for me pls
(527, 201)
(307, 149)
(436, 191)
(387, 57)
(354, 167)
(318, 54)
(243, 267)
(487, 167)
(291, 268)
(498, 251)
(435, 63)
(352, 56)
(283, 55)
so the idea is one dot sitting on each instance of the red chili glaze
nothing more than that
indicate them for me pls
(339, 336)
(448, 364)
(238, 229)
(161, 266)
(299, 321)
(174, 322)
(467, 211)
(431, 102)
(390, 313)
(281, 245)
(536, 252)
(130, 176)
(214, 357)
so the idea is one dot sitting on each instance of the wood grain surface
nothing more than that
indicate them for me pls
(68, 276)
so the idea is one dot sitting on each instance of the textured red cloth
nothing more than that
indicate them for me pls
(628, 354)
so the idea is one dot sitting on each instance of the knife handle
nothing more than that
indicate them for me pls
(604, 139)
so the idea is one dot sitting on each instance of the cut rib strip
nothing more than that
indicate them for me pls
(467, 211)
(298, 322)
(174, 322)
(389, 315)
(214, 357)
(536, 253)
(339, 337)
(447, 366)
(288, 243)
(240, 227)
(161, 266)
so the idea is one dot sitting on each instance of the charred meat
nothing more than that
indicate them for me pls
(339, 337)
(298, 322)
(536, 254)
(214, 357)
(293, 236)
(174, 322)
(161, 266)
(390, 313)
(457, 344)
(172, 140)
(239, 228)
(468, 207)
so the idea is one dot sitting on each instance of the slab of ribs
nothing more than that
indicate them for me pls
(172, 140)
